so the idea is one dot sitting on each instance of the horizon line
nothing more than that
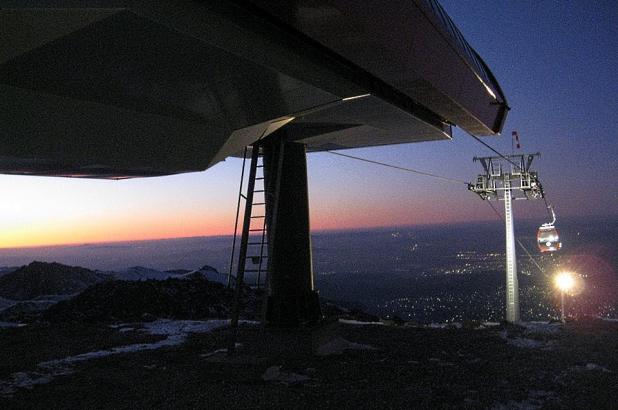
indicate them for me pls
(324, 230)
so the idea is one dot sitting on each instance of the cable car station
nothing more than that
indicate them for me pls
(126, 89)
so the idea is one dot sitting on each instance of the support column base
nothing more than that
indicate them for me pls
(293, 310)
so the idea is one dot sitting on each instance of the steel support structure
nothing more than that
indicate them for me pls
(512, 286)
(512, 175)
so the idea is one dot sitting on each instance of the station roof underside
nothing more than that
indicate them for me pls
(114, 89)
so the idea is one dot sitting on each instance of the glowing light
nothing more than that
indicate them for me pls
(489, 90)
(354, 97)
(564, 281)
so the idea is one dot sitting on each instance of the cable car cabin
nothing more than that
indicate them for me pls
(548, 239)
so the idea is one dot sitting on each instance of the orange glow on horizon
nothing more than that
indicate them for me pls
(130, 229)
(125, 228)
(144, 224)
(125, 212)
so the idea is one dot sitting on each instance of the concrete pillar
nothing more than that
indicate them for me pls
(292, 298)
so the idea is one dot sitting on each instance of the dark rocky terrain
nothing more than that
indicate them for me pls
(7, 269)
(112, 301)
(332, 366)
(160, 344)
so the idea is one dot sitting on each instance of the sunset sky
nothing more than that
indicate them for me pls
(557, 64)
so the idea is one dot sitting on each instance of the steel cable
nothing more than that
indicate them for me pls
(416, 171)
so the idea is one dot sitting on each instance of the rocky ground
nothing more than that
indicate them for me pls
(114, 301)
(169, 364)
(192, 297)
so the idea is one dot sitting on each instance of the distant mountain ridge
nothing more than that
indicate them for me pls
(42, 278)
(209, 273)
(139, 273)
(142, 273)
(31, 289)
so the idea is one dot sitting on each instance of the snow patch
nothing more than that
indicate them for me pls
(452, 325)
(7, 303)
(522, 342)
(592, 367)
(486, 325)
(139, 273)
(176, 331)
(536, 400)
(126, 329)
(209, 273)
(542, 328)
(6, 325)
(174, 327)
(274, 374)
(220, 351)
(359, 323)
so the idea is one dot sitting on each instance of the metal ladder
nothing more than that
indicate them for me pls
(272, 192)
(253, 249)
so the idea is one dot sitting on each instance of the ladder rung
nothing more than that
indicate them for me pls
(243, 196)
(260, 203)
(257, 216)
(263, 257)
(259, 190)
(254, 243)
(260, 166)
(256, 230)
(259, 179)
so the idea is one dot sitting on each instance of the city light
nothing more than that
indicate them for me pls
(564, 281)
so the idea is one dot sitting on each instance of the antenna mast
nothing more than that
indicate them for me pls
(512, 175)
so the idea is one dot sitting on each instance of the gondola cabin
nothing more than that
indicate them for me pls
(548, 238)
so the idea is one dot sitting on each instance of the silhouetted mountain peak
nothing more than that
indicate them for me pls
(42, 278)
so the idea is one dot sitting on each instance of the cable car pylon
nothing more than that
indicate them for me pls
(507, 178)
